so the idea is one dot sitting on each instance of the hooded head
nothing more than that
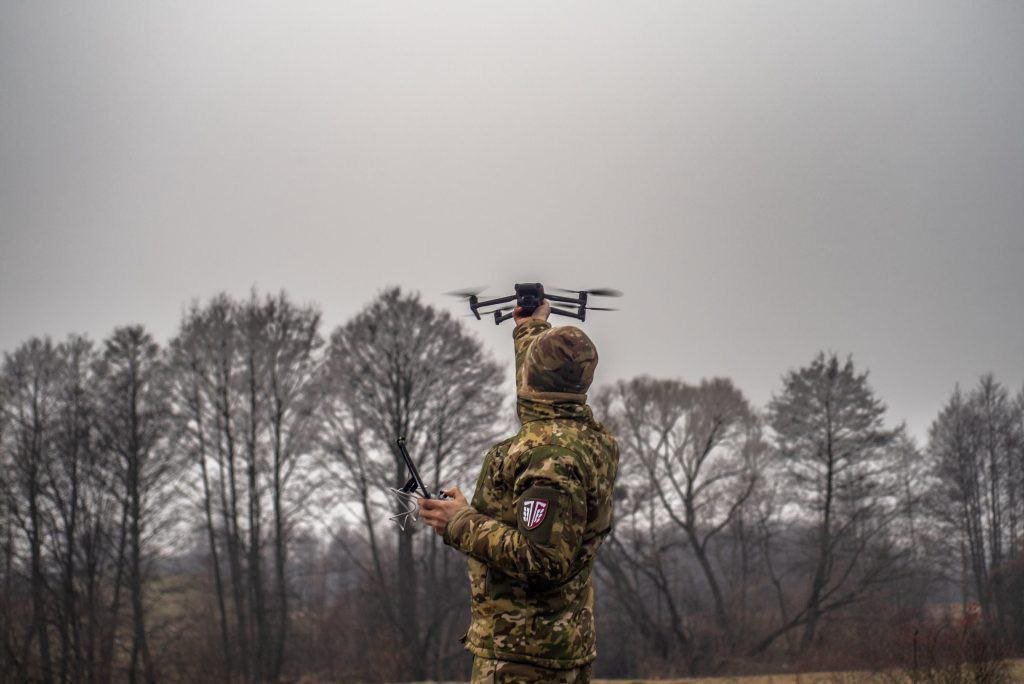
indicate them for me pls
(562, 360)
(557, 365)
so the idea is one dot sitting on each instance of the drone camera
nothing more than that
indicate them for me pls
(529, 296)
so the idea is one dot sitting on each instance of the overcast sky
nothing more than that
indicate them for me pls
(763, 180)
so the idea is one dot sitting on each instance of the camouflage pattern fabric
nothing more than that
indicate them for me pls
(542, 507)
(561, 360)
(487, 671)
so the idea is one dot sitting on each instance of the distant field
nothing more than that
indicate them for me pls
(802, 678)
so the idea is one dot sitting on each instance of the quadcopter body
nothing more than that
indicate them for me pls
(529, 296)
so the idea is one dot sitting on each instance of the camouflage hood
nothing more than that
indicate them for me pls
(554, 369)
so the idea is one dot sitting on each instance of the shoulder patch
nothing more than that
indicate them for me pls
(538, 511)
(534, 512)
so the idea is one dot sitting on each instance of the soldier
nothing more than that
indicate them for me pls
(542, 507)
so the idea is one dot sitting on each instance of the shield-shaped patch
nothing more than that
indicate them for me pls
(534, 511)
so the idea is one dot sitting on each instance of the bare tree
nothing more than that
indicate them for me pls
(245, 388)
(133, 429)
(830, 433)
(30, 389)
(400, 368)
(11, 668)
(68, 482)
(194, 355)
(975, 444)
(291, 346)
(998, 441)
(696, 454)
(53, 468)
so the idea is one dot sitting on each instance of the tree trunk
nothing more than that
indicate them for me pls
(140, 643)
(39, 620)
(825, 541)
(280, 557)
(721, 614)
(229, 512)
(107, 649)
(218, 582)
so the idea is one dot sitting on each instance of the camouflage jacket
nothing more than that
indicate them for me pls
(542, 507)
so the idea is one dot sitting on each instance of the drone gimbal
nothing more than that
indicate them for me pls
(529, 296)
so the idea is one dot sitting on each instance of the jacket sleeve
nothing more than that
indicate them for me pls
(551, 514)
(523, 336)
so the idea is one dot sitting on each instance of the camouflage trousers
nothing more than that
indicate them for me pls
(486, 671)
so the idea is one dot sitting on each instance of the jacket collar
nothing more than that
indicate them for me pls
(542, 406)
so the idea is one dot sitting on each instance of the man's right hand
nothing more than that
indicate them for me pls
(541, 313)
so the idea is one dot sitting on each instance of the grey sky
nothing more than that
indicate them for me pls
(763, 180)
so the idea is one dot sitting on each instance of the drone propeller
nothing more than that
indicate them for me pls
(598, 308)
(467, 292)
(597, 292)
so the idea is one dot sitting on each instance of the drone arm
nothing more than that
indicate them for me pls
(499, 300)
(559, 298)
(563, 312)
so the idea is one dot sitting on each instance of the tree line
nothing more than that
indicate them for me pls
(216, 508)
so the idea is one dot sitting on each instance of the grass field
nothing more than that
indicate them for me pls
(1017, 675)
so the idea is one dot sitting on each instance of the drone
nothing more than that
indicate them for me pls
(529, 296)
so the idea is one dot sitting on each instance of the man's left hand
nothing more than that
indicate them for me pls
(437, 512)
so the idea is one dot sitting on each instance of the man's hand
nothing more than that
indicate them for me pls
(437, 512)
(541, 313)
